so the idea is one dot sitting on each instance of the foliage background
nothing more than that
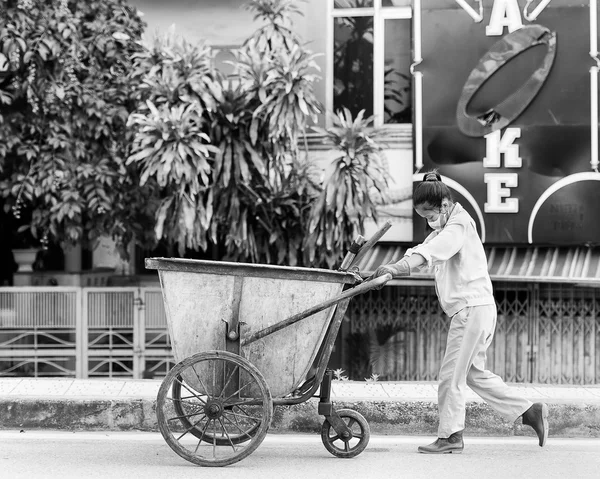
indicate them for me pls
(103, 134)
(65, 97)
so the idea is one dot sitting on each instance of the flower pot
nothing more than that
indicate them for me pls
(25, 258)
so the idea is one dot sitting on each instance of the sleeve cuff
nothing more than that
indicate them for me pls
(423, 252)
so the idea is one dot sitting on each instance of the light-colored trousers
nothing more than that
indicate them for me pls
(470, 334)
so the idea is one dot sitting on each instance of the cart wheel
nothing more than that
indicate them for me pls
(234, 438)
(353, 445)
(221, 411)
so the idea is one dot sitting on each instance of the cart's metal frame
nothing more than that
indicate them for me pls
(318, 376)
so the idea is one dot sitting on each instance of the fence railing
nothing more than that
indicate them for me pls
(83, 332)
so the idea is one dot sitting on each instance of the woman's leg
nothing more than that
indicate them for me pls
(492, 389)
(465, 340)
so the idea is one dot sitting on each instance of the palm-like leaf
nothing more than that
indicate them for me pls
(356, 183)
(170, 148)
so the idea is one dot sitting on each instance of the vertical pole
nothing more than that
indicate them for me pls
(139, 335)
(378, 67)
(329, 73)
(594, 83)
(83, 322)
(418, 86)
(325, 407)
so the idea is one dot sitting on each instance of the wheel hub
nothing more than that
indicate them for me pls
(213, 409)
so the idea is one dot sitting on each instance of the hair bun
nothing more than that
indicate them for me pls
(432, 176)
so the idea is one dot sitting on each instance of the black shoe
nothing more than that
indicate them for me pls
(537, 417)
(451, 445)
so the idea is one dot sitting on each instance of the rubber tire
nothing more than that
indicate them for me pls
(355, 450)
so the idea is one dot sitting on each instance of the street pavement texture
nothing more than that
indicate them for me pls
(64, 455)
(394, 408)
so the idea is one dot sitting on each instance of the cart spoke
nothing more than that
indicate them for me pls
(351, 422)
(227, 434)
(241, 409)
(240, 389)
(201, 436)
(245, 402)
(179, 401)
(244, 411)
(237, 425)
(258, 421)
(214, 439)
(201, 382)
(193, 426)
(214, 383)
(207, 425)
(189, 397)
(228, 380)
(192, 392)
(334, 438)
(346, 446)
(185, 416)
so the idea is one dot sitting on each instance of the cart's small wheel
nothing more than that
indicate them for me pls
(221, 409)
(234, 438)
(347, 446)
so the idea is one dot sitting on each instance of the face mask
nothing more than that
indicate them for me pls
(437, 224)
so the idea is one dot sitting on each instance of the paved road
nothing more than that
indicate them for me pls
(128, 455)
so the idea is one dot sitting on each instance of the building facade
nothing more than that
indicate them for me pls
(501, 96)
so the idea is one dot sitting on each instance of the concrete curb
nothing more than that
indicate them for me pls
(573, 418)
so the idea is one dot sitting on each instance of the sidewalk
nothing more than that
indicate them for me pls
(389, 407)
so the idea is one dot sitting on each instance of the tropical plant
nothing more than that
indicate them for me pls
(64, 103)
(175, 152)
(170, 148)
(275, 78)
(246, 128)
(355, 185)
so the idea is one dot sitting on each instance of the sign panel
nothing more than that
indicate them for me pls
(506, 116)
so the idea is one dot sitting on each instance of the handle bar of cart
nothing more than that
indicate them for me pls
(361, 288)
(375, 283)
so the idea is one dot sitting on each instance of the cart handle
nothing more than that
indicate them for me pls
(370, 243)
(374, 283)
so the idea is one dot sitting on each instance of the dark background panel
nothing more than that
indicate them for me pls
(555, 128)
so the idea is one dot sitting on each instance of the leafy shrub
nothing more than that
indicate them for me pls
(65, 97)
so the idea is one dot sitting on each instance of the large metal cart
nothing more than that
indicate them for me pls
(237, 358)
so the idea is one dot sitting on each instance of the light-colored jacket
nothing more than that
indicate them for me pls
(457, 256)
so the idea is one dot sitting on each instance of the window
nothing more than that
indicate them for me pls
(353, 4)
(370, 59)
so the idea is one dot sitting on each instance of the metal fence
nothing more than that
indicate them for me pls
(83, 332)
(546, 333)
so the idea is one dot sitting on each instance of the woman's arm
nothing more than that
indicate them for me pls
(415, 260)
(439, 248)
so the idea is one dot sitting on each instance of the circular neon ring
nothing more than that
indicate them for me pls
(497, 56)
(567, 180)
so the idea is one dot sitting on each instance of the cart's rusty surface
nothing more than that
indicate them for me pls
(247, 338)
